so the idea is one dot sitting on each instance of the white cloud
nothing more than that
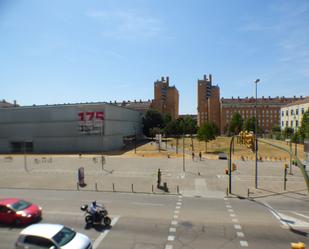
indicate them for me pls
(126, 24)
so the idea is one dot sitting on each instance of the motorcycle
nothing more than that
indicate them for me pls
(100, 217)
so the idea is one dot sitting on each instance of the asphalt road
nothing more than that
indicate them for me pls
(142, 221)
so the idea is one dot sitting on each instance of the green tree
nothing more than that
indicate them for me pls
(287, 132)
(206, 133)
(304, 128)
(152, 119)
(276, 132)
(236, 123)
(249, 124)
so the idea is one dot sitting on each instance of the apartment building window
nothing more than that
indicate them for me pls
(296, 111)
(302, 110)
(296, 123)
(282, 123)
(292, 112)
(291, 123)
(286, 123)
(286, 113)
(282, 114)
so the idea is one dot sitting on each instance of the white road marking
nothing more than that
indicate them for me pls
(180, 196)
(175, 216)
(230, 210)
(97, 242)
(176, 211)
(147, 204)
(285, 220)
(179, 203)
(238, 227)
(228, 206)
(174, 222)
(305, 216)
(172, 230)
(170, 237)
(168, 247)
(232, 215)
(240, 234)
(177, 207)
(235, 220)
(243, 243)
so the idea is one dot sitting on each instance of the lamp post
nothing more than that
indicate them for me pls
(256, 141)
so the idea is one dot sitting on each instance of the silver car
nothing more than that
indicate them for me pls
(51, 236)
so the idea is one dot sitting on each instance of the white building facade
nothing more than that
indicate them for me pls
(291, 115)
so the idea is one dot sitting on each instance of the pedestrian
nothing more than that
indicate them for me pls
(192, 155)
(200, 155)
(159, 178)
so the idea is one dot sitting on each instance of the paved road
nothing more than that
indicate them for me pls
(173, 222)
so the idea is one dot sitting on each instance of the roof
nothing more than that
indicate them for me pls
(42, 230)
(277, 101)
(8, 201)
(299, 102)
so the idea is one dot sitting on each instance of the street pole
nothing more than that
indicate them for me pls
(256, 141)
(230, 166)
(25, 157)
(290, 157)
(183, 153)
(135, 140)
(102, 157)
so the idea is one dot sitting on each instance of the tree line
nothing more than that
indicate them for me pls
(156, 123)
(238, 124)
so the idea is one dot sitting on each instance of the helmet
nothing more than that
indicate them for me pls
(94, 203)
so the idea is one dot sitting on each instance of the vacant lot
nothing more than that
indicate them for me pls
(220, 144)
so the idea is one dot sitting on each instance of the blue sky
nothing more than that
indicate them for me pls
(70, 51)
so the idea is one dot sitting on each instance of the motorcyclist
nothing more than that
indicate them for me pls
(94, 209)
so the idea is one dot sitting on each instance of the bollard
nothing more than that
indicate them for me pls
(248, 194)
(132, 188)
(113, 187)
(177, 189)
(227, 192)
(77, 186)
(298, 245)
(152, 188)
(96, 187)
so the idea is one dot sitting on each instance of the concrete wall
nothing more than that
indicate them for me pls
(57, 128)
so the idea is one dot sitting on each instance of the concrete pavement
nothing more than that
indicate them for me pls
(201, 178)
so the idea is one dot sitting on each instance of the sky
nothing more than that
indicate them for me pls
(72, 51)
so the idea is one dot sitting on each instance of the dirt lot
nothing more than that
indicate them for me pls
(221, 144)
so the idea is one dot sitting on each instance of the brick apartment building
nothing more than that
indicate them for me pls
(268, 111)
(166, 98)
(208, 102)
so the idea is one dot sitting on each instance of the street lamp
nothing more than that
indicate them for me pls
(256, 141)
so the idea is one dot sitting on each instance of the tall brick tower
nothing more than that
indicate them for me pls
(166, 98)
(208, 104)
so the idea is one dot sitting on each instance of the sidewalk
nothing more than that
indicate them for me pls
(205, 178)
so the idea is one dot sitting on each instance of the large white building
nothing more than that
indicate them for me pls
(292, 114)
(67, 128)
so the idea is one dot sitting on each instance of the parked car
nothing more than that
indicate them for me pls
(222, 156)
(52, 236)
(19, 212)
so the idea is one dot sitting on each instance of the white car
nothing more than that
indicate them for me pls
(51, 236)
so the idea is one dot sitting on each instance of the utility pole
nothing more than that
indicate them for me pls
(256, 141)
(183, 153)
